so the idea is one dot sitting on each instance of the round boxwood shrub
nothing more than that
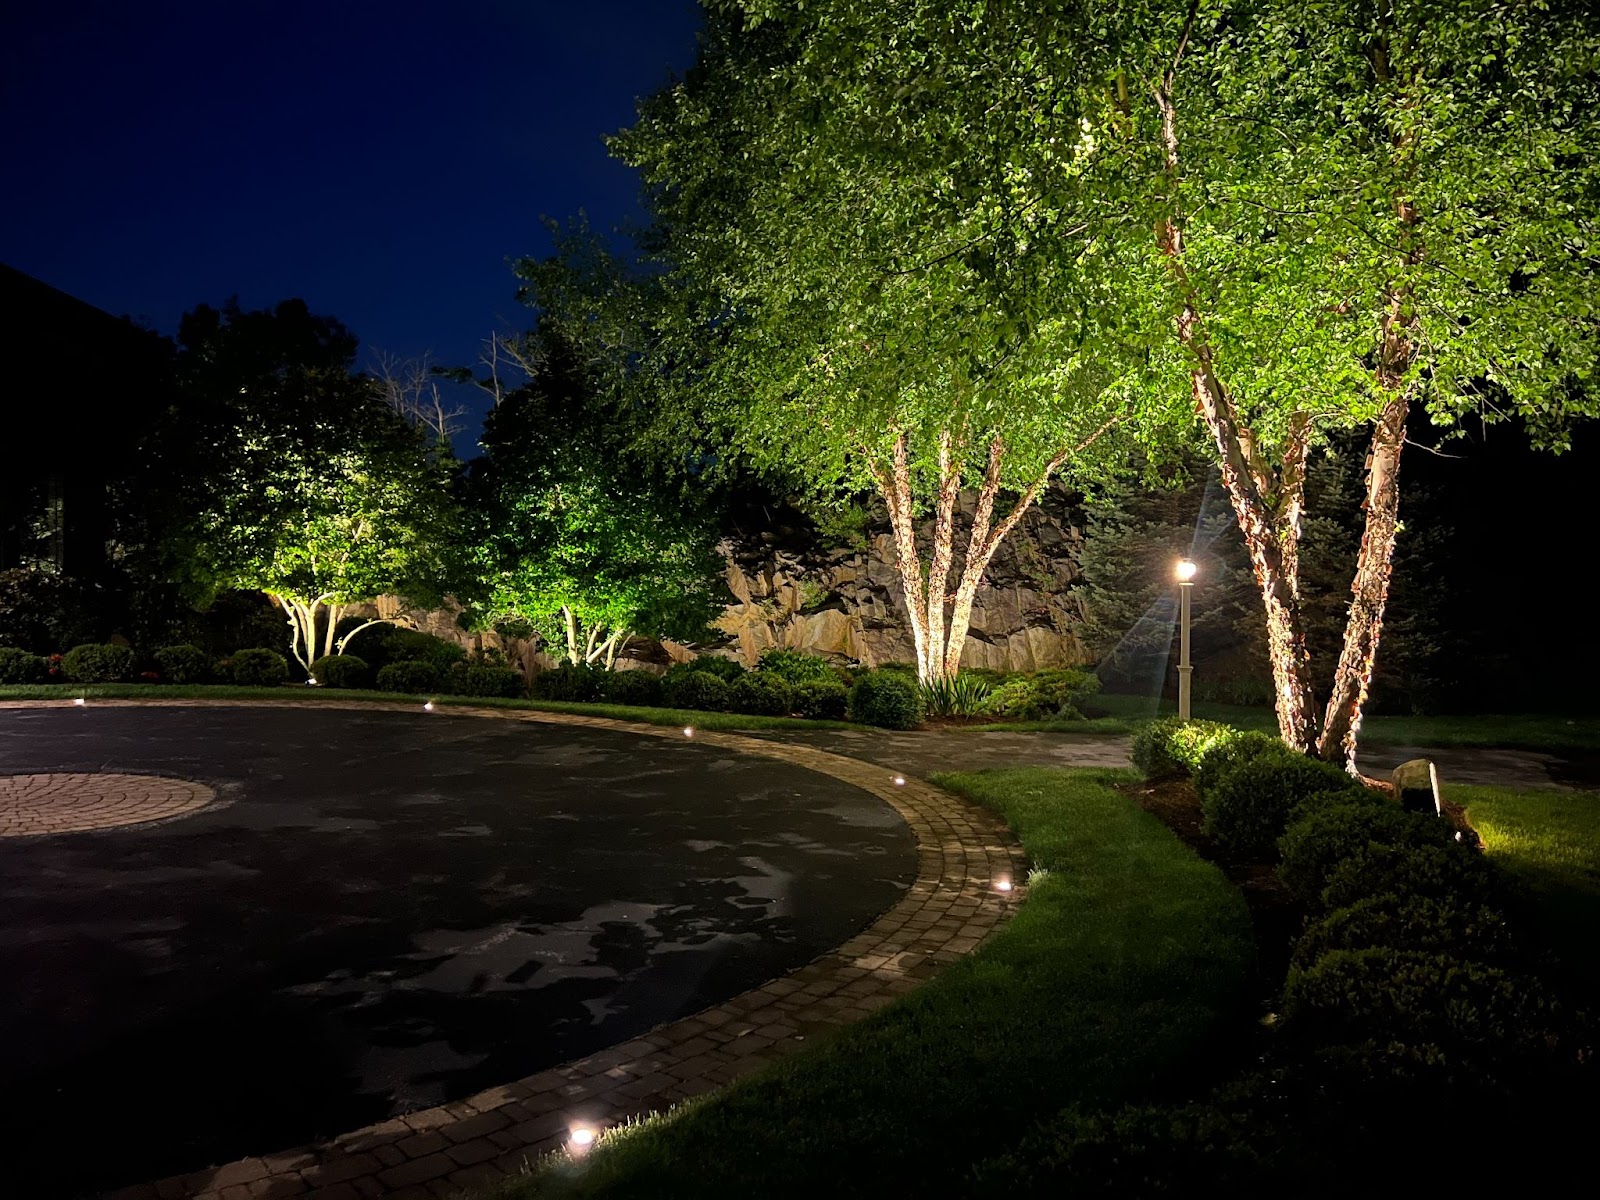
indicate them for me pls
(1420, 998)
(95, 663)
(824, 700)
(762, 695)
(795, 666)
(1172, 747)
(258, 667)
(1324, 836)
(184, 664)
(412, 645)
(696, 689)
(341, 671)
(415, 677)
(573, 683)
(1444, 872)
(726, 669)
(1453, 925)
(478, 677)
(18, 666)
(887, 699)
(1230, 752)
(1248, 808)
(637, 687)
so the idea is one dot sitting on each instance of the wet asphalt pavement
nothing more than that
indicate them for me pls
(384, 912)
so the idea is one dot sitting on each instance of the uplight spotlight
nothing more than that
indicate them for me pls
(428, 706)
(79, 701)
(899, 781)
(581, 1137)
(1002, 885)
(688, 731)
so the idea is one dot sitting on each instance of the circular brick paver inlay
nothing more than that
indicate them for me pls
(33, 805)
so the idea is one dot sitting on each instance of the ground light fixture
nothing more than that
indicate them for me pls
(581, 1137)
(311, 681)
(688, 731)
(1003, 884)
(1185, 570)
(79, 701)
(427, 706)
(899, 780)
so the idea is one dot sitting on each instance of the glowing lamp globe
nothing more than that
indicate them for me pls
(1185, 570)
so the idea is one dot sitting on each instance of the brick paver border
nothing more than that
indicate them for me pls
(970, 875)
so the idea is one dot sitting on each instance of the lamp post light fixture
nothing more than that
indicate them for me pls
(1185, 572)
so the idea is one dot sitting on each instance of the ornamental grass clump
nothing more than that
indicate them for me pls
(962, 695)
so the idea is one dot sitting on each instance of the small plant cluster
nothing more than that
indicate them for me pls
(1412, 1003)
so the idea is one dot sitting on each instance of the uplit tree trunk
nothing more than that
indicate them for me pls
(939, 640)
(586, 649)
(1266, 503)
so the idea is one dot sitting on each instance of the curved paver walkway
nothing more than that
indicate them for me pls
(970, 872)
(39, 805)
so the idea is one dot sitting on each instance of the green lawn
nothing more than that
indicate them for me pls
(1551, 842)
(1528, 731)
(620, 712)
(1126, 962)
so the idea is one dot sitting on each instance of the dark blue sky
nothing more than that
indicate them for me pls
(381, 160)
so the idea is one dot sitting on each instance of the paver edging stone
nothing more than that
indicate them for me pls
(952, 907)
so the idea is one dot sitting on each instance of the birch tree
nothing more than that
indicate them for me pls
(844, 320)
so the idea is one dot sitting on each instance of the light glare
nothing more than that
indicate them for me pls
(428, 706)
(78, 701)
(1002, 885)
(899, 781)
(688, 731)
(1186, 570)
(582, 1137)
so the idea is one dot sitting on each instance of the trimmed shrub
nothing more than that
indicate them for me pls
(1244, 746)
(1248, 808)
(1317, 842)
(1419, 999)
(415, 677)
(94, 663)
(1041, 695)
(762, 695)
(824, 700)
(482, 677)
(184, 664)
(795, 666)
(341, 671)
(1172, 747)
(637, 687)
(1443, 872)
(258, 667)
(887, 699)
(726, 669)
(573, 683)
(18, 666)
(1456, 926)
(413, 645)
(696, 689)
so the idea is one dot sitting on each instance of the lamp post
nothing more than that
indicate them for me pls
(1185, 571)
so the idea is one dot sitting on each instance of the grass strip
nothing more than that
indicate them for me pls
(620, 712)
(1125, 961)
(1551, 842)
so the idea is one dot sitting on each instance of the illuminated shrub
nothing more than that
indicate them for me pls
(1248, 809)
(572, 683)
(696, 689)
(18, 666)
(258, 667)
(1451, 925)
(631, 687)
(762, 695)
(1041, 694)
(415, 677)
(962, 695)
(887, 699)
(824, 700)
(392, 645)
(93, 663)
(184, 664)
(795, 666)
(1234, 751)
(1173, 747)
(341, 671)
(726, 669)
(1316, 843)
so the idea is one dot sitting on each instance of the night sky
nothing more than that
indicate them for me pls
(382, 160)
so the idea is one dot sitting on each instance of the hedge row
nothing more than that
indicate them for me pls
(1410, 1010)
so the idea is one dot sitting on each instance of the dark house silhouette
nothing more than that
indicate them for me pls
(81, 390)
